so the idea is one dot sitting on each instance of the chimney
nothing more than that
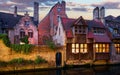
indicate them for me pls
(36, 13)
(15, 11)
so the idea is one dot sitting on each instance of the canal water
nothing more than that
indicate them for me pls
(99, 70)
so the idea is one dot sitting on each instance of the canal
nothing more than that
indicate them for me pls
(98, 70)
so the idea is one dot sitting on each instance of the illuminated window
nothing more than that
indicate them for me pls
(101, 48)
(117, 46)
(75, 48)
(79, 47)
(83, 48)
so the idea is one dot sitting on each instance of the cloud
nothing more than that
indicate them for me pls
(108, 5)
(80, 9)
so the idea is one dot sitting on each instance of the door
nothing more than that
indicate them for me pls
(58, 58)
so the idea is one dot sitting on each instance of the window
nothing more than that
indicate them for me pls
(30, 33)
(101, 48)
(75, 48)
(59, 9)
(83, 48)
(58, 18)
(27, 23)
(117, 46)
(116, 31)
(80, 30)
(22, 33)
(98, 30)
(79, 47)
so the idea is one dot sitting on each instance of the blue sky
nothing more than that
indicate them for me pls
(74, 8)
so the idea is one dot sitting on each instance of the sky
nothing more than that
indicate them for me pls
(74, 8)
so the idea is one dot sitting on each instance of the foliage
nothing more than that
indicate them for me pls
(25, 48)
(39, 60)
(2, 63)
(51, 44)
(16, 61)
(25, 40)
(5, 39)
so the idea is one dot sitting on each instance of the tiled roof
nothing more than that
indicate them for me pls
(67, 24)
(80, 20)
(102, 39)
(90, 34)
(95, 23)
(8, 20)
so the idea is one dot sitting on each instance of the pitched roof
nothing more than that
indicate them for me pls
(95, 23)
(67, 24)
(8, 20)
(102, 39)
(80, 20)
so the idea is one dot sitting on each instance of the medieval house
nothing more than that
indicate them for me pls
(17, 26)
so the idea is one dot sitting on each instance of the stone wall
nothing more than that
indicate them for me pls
(6, 54)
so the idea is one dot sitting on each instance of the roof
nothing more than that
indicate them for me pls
(67, 24)
(51, 20)
(95, 23)
(80, 20)
(8, 20)
(102, 39)
(90, 34)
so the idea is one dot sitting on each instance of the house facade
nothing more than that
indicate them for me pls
(83, 39)
(48, 26)
(10, 23)
(113, 26)
(25, 27)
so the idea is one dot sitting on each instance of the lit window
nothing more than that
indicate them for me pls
(101, 48)
(117, 46)
(75, 48)
(83, 48)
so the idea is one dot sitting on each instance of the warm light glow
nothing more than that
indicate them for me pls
(77, 50)
(102, 48)
(96, 45)
(81, 45)
(73, 50)
(73, 45)
(77, 45)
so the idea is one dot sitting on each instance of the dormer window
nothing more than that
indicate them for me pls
(116, 31)
(98, 31)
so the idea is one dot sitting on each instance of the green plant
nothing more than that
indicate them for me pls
(25, 48)
(16, 61)
(39, 60)
(5, 39)
(2, 63)
(25, 40)
(51, 44)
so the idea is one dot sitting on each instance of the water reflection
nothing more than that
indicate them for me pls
(100, 70)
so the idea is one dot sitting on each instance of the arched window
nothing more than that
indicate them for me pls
(22, 33)
(30, 33)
